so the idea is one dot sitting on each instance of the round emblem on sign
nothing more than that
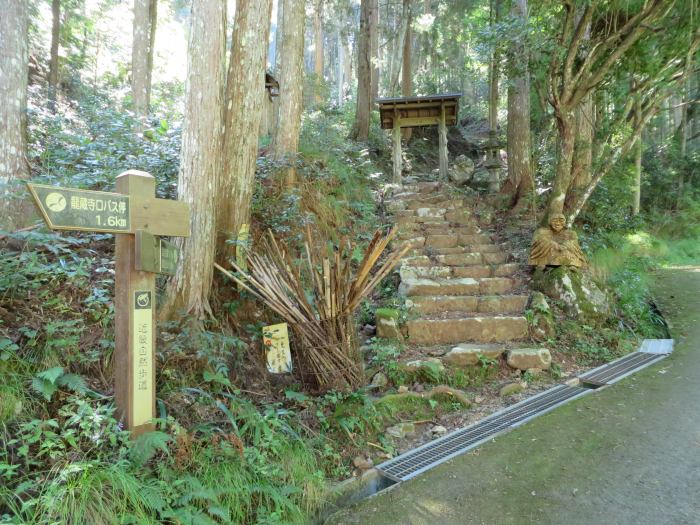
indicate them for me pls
(143, 299)
(55, 201)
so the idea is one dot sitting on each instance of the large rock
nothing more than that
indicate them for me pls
(525, 358)
(575, 290)
(542, 321)
(462, 170)
(511, 389)
(430, 365)
(388, 323)
(401, 430)
(467, 354)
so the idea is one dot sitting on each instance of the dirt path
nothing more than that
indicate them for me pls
(629, 454)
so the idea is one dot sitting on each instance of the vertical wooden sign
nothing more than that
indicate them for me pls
(135, 296)
(138, 220)
(135, 317)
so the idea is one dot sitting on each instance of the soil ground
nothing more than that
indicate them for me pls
(627, 454)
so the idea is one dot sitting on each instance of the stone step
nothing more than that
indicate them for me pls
(416, 286)
(466, 259)
(408, 228)
(426, 249)
(484, 329)
(435, 213)
(476, 271)
(414, 219)
(492, 304)
(422, 187)
(436, 201)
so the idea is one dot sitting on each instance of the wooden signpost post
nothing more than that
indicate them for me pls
(138, 219)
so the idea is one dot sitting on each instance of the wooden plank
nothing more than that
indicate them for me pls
(413, 122)
(162, 217)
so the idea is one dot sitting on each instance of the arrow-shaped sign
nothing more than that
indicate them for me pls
(74, 209)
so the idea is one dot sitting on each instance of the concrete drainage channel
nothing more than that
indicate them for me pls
(416, 461)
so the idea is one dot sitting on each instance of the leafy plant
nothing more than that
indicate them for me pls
(50, 381)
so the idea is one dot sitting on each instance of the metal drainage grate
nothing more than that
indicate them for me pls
(429, 455)
(651, 351)
(416, 461)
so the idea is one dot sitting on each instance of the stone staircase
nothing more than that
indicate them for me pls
(458, 284)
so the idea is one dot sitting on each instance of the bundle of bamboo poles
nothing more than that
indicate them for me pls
(321, 321)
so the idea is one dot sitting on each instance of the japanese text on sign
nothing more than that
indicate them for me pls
(74, 209)
(143, 357)
(276, 342)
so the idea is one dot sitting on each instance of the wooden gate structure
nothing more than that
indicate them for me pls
(412, 112)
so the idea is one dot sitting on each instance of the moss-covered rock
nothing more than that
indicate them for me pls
(576, 291)
(542, 320)
(388, 323)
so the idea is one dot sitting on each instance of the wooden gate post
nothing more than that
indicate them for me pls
(396, 135)
(442, 132)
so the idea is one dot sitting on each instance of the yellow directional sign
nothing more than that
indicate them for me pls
(73, 209)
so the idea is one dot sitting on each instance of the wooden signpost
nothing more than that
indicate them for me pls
(138, 219)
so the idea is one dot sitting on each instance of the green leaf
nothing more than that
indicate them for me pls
(51, 375)
(293, 395)
(44, 387)
(72, 382)
(146, 446)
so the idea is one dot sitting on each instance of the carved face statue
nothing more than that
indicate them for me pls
(557, 222)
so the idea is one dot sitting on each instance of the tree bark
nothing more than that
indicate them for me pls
(398, 47)
(245, 96)
(318, 50)
(582, 162)
(360, 129)
(53, 64)
(14, 65)
(494, 72)
(340, 75)
(566, 124)
(286, 141)
(374, 48)
(200, 158)
(520, 184)
(406, 73)
(637, 190)
(142, 56)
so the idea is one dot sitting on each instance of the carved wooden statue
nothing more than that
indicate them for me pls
(556, 245)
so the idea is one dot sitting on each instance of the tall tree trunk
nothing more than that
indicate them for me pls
(374, 48)
(318, 50)
(53, 64)
(683, 139)
(360, 130)
(245, 96)
(637, 189)
(153, 24)
(142, 56)
(406, 73)
(340, 75)
(582, 162)
(14, 65)
(494, 71)
(397, 56)
(286, 142)
(566, 123)
(200, 158)
(520, 184)
(279, 36)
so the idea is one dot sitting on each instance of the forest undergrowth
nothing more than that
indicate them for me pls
(232, 445)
